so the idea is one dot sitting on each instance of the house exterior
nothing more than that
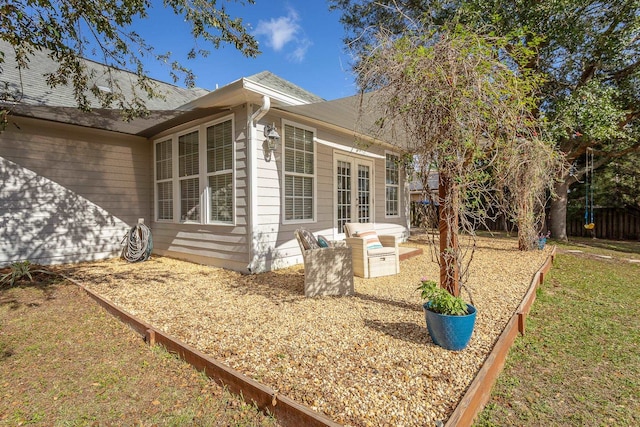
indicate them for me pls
(198, 171)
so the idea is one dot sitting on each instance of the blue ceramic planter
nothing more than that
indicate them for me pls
(542, 241)
(450, 332)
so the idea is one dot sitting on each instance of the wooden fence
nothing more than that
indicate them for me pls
(423, 215)
(611, 223)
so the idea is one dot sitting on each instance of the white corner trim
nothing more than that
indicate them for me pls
(344, 148)
(252, 176)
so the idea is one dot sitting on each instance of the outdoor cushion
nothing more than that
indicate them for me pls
(308, 240)
(383, 251)
(352, 228)
(371, 239)
(324, 242)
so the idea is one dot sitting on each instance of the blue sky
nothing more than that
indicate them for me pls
(301, 41)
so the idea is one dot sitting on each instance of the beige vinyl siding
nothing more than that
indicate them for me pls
(221, 245)
(69, 193)
(275, 237)
(397, 226)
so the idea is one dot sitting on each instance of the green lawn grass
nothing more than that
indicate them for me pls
(579, 362)
(64, 361)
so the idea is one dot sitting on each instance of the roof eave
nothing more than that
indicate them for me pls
(338, 128)
(241, 91)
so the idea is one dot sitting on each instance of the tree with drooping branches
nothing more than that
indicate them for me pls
(587, 50)
(465, 110)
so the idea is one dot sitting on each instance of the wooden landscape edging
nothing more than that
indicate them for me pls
(133, 322)
(479, 392)
(287, 411)
(291, 413)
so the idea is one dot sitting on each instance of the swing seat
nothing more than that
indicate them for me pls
(590, 226)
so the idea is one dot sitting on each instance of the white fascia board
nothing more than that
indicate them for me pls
(347, 149)
(272, 93)
(231, 94)
(239, 92)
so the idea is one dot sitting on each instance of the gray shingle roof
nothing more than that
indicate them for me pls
(266, 78)
(58, 104)
(35, 91)
(362, 114)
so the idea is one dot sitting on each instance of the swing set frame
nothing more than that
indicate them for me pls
(589, 221)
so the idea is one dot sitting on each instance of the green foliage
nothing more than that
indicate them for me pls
(592, 111)
(586, 50)
(615, 185)
(18, 270)
(441, 300)
(618, 184)
(71, 30)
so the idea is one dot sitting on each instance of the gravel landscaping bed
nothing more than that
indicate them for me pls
(361, 360)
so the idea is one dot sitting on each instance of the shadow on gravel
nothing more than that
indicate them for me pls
(405, 331)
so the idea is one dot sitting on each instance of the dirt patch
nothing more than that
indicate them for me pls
(65, 361)
(360, 360)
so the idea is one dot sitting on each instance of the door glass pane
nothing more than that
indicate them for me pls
(364, 193)
(343, 175)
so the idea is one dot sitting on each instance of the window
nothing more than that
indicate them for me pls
(392, 185)
(194, 175)
(188, 173)
(299, 164)
(164, 182)
(220, 172)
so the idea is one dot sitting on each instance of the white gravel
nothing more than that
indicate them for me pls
(365, 360)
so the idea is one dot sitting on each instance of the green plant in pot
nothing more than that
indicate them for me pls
(450, 320)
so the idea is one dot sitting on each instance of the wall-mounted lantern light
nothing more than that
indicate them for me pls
(272, 137)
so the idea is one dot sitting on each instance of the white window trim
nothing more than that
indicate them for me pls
(355, 160)
(156, 181)
(177, 207)
(203, 184)
(205, 178)
(283, 174)
(399, 185)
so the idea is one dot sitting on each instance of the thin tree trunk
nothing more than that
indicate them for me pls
(448, 228)
(558, 213)
(524, 237)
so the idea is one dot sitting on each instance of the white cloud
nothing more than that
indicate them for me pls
(300, 51)
(284, 30)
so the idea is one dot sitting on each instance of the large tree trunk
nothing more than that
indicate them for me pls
(558, 214)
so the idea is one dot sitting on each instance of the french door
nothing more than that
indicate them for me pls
(354, 191)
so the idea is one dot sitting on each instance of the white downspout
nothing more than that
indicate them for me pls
(260, 112)
(252, 161)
